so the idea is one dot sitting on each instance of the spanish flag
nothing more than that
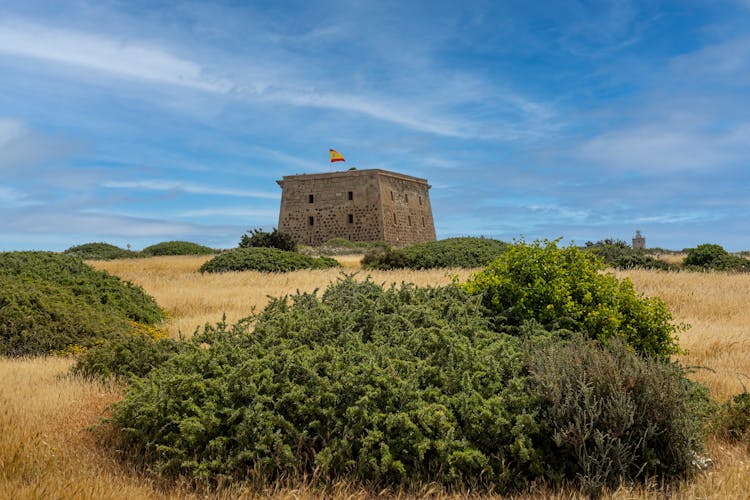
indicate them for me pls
(336, 156)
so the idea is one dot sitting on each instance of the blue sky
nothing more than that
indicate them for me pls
(139, 122)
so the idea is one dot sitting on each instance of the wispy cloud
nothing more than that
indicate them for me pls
(112, 55)
(20, 146)
(668, 147)
(189, 187)
(230, 212)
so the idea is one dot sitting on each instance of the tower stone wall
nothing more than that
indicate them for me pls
(358, 205)
(639, 242)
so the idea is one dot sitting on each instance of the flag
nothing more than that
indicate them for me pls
(336, 156)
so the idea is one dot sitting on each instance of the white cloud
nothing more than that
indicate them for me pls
(12, 198)
(189, 187)
(230, 212)
(111, 55)
(668, 147)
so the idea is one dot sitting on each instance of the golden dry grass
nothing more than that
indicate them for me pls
(46, 453)
(192, 299)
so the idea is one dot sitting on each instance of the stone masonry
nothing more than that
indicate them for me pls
(358, 205)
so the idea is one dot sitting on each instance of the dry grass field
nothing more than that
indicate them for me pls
(46, 451)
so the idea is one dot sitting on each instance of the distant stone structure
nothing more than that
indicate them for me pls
(358, 205)
(639, 242)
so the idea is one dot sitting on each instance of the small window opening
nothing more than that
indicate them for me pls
(393, 198)
(394, 218)
(420, 201)
(406, 198)
(311, 198)
(422, 221)
(351, 218)
(311, 220)
(350, 195)
(409, 219)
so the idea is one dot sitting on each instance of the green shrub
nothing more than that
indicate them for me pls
(51, 302)
(262, 239)
(614, 416)
(407, 386)
(451, 252)
(709, 256)
(128, 355)
(100, 251)
(387, 386)
(565, 288)
(265, 259)
(619, 255)
(177, 248)
(341, 246)
(736, 422)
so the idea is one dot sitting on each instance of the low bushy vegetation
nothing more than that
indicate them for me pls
(451, 252)
(257, 238)
(177, 248)
(565, 288)
(407, 386)
(736, 421)
(341, 246)
(100, 251)
(266, 260)
(712, 257)
(619, 255)
(613, 416)
(50, 302)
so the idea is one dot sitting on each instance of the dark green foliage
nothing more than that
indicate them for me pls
(177, 248)
(619, 255)
(391, 386)
(709, 256)
(451, 252)
(341, 246)
(736, 422)
(406, 386)
(100, 251)
(50, 302)
(265, 259)
(614, 416)
(565, 288)
(262, 239)
(127, 355)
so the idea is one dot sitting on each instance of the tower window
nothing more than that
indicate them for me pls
(394, 218)
(393, 198)
(406, 198)
(422, 221)
(311, 220)
(351, 218)
(409, 219)
(311, 199)
(350, 195)
(420, 201)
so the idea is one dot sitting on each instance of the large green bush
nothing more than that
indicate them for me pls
(406, 386)
(391, 386)
(451, 252)
(177, 248)
(100, 251)
(566, 288)
(50, 302)
(265, 259)
(709, 256)
(257, 238)
(614, 416)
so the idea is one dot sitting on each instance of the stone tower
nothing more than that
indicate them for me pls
(639, 242)
(358, 205)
